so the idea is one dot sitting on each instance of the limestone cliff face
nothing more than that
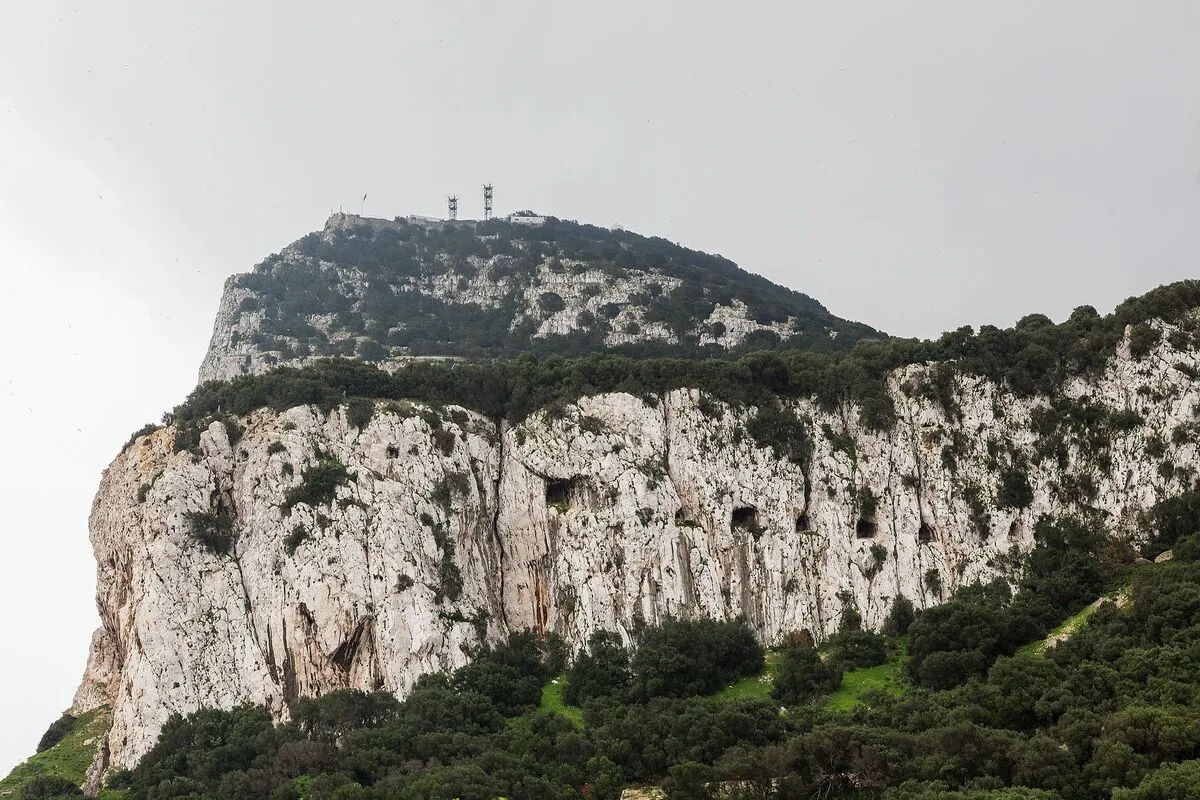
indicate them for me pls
(453, 528)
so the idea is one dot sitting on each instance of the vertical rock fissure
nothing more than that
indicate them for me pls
(269, 662)
(502, 602)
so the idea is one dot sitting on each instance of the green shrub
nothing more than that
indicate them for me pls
(782, 432)
(48, 787)
(1013, 490)
(444, 440)
(359, 411)
(950, 643)
(686, 657)
(297, 537)
(600, 670)
(213, 530)
(1142, 339)
(1171, 519)
(856, 649)
(319, 484)
(802, 675)
(550, 303)
(119, 778)
(592, 425)
(450, 580)
(866, 502)
(900, 617)
(56, 732)
(1187, 548)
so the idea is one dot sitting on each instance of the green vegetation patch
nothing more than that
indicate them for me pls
(553, 703)
(320, 483)
(69, 759)
(757, 685)
(888, 678)
(1034, 356)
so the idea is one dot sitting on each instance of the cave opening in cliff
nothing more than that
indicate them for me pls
(745, 517)
(558, 490)
(925, 532)
(865, 529)
(802, 524)
(684, 520)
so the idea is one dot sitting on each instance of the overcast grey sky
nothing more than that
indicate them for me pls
(914, 165)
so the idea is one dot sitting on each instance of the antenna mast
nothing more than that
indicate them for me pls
(487, 201)
(452, 202)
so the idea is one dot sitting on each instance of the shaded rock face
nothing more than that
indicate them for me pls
(452, 528)
(391, 290)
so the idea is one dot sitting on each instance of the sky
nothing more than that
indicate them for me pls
(917, 166)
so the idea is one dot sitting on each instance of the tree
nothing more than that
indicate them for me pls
(57, 731)
(900, 617)
(48, 787)
(1169, 782)
(855, 649)
(602, 670)
(802, 675)
(950, 643)
(685, 657)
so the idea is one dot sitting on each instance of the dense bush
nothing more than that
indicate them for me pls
(319, 484)
(57, 731)
(359, 412)
(213, 530)
(1171, 519)
(900, 617)
(685, 657)
(953, 642)
(856, 649)
(48, 787)
(802, 675)
(600, 670)
(782, 432)
(1014, 490)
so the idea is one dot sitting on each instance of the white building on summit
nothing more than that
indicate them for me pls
(526, 218)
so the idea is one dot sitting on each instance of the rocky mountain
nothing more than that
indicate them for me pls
(388, 290)
(269, 549)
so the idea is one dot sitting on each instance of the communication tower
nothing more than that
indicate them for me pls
(452, 202)
(487, 201)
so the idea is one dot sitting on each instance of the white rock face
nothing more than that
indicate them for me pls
(619, 509)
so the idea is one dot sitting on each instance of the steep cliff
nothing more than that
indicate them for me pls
(261, 570)
(389, 290)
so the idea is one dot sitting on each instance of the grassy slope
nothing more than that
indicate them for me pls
(753, 685)
(68, 759)
(552, 701)
(1117, 592)
(887, 678)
